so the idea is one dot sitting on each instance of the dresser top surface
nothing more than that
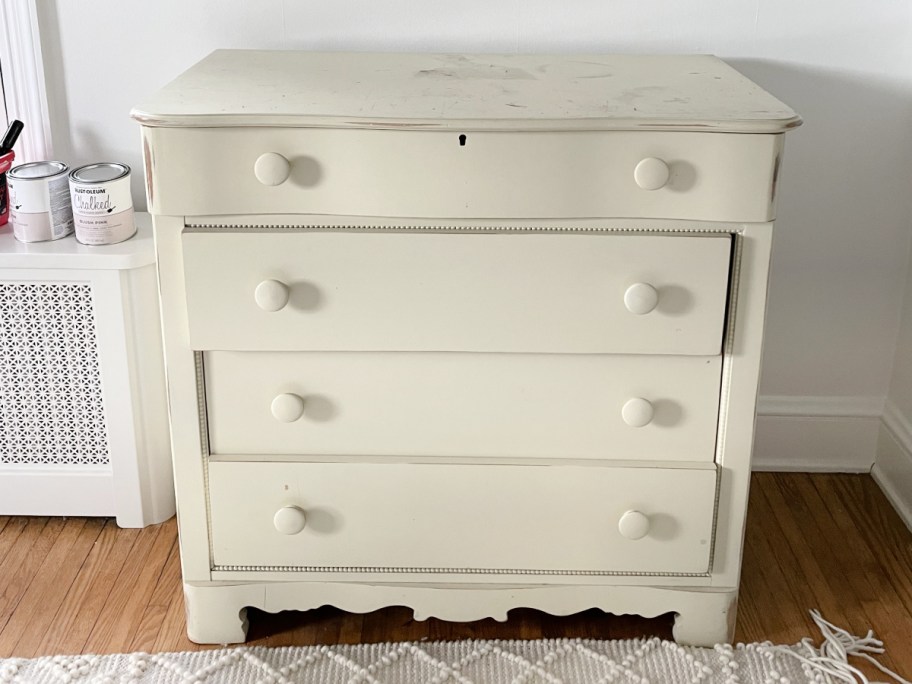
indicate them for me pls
(465, 92)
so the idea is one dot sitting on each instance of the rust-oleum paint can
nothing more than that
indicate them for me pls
(102, 203)
(40, 201)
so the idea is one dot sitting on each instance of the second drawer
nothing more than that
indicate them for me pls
(457, 292)
(455, 405)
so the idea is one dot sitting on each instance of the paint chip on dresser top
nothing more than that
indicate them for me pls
(466, 93)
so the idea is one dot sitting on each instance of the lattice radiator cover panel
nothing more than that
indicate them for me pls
(51, 401)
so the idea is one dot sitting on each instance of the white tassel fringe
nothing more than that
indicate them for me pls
(832, 658)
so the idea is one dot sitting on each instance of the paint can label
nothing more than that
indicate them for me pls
(103, 211)
(40, 208)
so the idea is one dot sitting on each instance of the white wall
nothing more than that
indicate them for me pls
(900, 395)
(846, 205)
(893, 466)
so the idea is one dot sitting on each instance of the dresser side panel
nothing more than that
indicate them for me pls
(740, 380)
(187, 437)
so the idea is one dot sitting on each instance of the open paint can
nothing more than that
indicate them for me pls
(102, 203)
(6, 162)
(39, 201)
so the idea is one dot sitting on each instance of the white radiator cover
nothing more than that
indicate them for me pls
(83, 416)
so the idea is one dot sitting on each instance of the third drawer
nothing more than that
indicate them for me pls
(462, 405)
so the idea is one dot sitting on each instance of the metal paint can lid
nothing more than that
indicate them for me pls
(99, 173)
(39, 169)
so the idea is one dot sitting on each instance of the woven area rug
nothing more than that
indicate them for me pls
(551, 661)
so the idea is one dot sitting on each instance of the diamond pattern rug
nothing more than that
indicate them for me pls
(544, 661)
(637, 661)
(522, 662)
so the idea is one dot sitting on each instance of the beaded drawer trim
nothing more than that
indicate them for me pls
(456, 228)
(446, 571)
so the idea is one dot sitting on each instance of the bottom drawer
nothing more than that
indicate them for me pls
(462, 518)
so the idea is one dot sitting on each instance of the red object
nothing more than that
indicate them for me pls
(6, 162)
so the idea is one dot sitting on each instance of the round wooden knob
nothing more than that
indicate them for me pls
(651, 173)
(634, 525)
(287, 408)
(641, 298)
(637, 412)
(289, 520)
(272, 168)
(271, 295)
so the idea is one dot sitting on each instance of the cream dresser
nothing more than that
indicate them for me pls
(462, 333)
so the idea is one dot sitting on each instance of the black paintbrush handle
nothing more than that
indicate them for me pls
(12, 133)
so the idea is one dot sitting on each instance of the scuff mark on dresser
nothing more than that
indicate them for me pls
(469, 70)
(149, 165)
(391, 124)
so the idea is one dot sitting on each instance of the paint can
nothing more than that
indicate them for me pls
(6, 162)
(40, 201)
(102, 203)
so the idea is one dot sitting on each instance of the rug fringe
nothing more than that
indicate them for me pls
(832, 657)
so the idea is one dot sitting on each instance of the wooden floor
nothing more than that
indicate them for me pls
(827, 541)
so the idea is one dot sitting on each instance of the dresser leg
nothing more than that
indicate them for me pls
(217, 614)
(706, 619)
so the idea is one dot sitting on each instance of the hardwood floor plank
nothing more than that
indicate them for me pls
(393, 624)
(756, 589)
(291, 628)
(9, 534)
(818, 575)
(173, 634)
(821, 535)
(168, 584)
(23, 559)
(49, 586)
(284, 628)
(794, 555)
(325, 625)
(530, 623)
(439, 630)
(122, 613)
(888, 535)
(754, 598)
(77, 616)
(847, 560)
(861, 542)
(351, 629)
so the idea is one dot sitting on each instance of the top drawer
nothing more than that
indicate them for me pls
(585, 174)
(301, 290)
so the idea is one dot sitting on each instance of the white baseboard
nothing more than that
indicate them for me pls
(56, 492)
(893, 469)
(817, 434)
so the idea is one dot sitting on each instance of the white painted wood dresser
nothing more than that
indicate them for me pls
(462, 333)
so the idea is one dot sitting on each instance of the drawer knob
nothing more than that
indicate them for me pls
(651, 173)
(272, 169)
(634, 525)
(289, 520)
(287, 408)
(271, 295)
(641, 298)
(637, 412)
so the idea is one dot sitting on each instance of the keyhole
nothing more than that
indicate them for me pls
(462, 140)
